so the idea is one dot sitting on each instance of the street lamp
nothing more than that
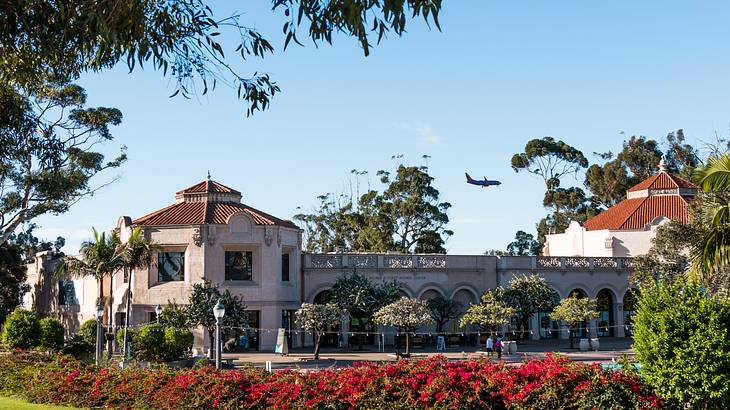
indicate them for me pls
(99, 317)
(158, 310)
(218, 312)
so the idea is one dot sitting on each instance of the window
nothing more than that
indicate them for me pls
(66, 293)
(285, 267)
(170, 266)
(239, 265)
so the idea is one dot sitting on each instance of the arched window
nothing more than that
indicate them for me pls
(606, 320)
(630, 300)
(582, 329)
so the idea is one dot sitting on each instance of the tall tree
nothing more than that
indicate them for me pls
(361, 297)
(12, 279)
(65, 38)
(200, 306)
(549, 159)
(681, 157)
(406, 217)
(523, 245)
(47, 151)
(29, 244)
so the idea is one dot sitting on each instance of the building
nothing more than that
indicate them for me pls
(209, 234)
(627, 228)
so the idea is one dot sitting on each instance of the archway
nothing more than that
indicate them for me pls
(630, 302)
(606, 321)
(430, 294)
(332, 337)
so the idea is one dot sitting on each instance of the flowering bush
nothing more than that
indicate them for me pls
(552, 383)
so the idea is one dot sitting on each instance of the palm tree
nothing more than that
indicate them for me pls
(100, 258)
(138, 253)
(711, 256)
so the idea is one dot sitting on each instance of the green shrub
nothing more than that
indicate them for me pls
(78, 347)
(51, 334)
(174, 315)
(22, 330)
(157, 343)
(120, 338)
(88, 331)
(682, 340)
(178, 343)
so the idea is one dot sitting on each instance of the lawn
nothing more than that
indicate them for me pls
(17, 404)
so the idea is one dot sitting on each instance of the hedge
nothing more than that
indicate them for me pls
(22, 330)
(552, 383)
(51, 334)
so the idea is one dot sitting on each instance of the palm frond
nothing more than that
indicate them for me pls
(715, 176)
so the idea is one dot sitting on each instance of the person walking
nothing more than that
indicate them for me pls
(490, 346)
(498, 347)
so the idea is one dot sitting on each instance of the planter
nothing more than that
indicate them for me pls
(595, 344)
(583, 345)
(512, 347)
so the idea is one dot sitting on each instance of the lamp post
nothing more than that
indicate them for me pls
(99, 317)
(158, 311)
(218, 312)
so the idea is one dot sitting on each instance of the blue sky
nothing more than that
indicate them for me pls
(470, 96)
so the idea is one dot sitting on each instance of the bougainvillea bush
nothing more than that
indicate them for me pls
(431, 383)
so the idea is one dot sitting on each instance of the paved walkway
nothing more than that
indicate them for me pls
(611, 348)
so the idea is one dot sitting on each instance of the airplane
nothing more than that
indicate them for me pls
(482, 182)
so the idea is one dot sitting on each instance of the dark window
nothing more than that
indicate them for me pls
(239, 265)
(285, 267)
(170, 266)
(66, 293)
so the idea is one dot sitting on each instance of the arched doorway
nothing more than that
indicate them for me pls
(430, 294)
(332, 337)
(606, 321)
(630, 301)
(548, 328)
(582, 329)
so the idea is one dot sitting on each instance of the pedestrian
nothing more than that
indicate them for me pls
(490, 346)
(498, 347)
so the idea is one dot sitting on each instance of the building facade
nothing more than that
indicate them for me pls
(627, 228)
(209, 234)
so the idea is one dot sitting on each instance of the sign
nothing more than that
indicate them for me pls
(440, 343)
(281, 346)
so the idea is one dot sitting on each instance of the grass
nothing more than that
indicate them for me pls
(18, 404)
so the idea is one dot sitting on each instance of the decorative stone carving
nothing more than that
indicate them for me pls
(269, 236)
(548, 262)
(577, 262)
(197, 237)
(432, 262)
(363, 261)
(398, 262)
(604, 263)
(326, 261)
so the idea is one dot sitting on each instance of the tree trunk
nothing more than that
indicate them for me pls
(570, 336)
(110, 342)
(408, 336)
(127, 310)
(211, 336)
(317, 342)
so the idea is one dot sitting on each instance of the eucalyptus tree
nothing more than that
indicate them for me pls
(184, 40)
(48, 154)
(406, 314)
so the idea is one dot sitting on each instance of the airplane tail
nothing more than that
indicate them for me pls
(468, 178)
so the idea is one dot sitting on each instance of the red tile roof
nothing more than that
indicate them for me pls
(208, 186)
(198, 213)
(636, 213)
(663, 180)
